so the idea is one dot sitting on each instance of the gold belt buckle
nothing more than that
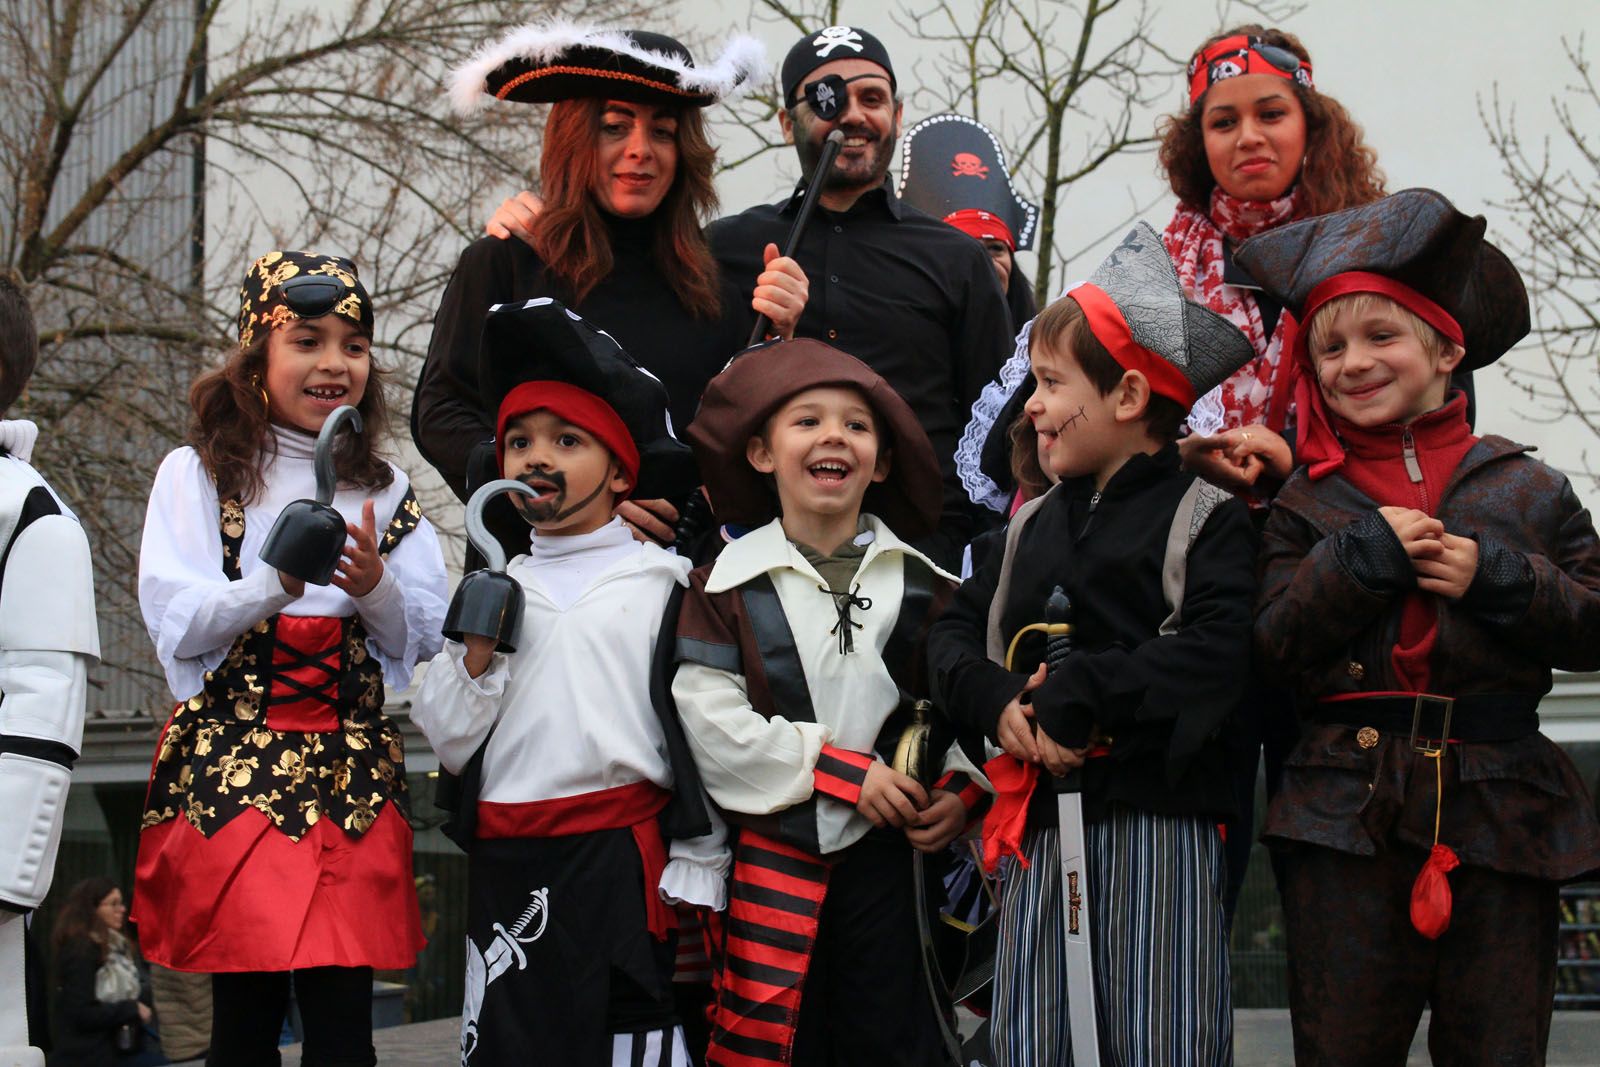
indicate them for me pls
(1431, 747)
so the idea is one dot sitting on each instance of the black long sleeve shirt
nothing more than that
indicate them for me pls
(1163, 700)
(914, 299)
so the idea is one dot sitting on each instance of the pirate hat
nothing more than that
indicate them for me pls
(1136, 307)
(953, 169)
(738, 402)
(1415, 237)
(544, 62)
(541, 341)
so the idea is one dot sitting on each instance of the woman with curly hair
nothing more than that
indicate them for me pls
(1259, 146)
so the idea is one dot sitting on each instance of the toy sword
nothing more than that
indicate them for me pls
(1079, 957)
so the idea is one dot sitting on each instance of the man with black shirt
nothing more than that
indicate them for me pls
(914, 299)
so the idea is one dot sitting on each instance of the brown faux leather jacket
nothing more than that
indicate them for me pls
(1334, 578)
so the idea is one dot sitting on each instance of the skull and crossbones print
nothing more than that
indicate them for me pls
(836, 37)
(967, 165)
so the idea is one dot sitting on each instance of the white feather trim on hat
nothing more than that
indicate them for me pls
(743, 60)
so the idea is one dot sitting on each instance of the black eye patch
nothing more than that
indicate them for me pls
(827, 96)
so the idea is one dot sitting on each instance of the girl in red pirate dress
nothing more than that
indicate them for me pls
(275, 839)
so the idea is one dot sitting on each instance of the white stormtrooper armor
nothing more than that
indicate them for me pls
(48, 638)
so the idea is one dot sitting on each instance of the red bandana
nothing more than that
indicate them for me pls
(1110, 328)
(982, 226)
(1234, 56)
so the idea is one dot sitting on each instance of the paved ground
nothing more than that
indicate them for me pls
(1261, 1039)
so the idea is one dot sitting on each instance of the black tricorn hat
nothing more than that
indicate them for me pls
(737, 403)
(544, 62)
(541, 340)
(1416, 237)
(953, 163)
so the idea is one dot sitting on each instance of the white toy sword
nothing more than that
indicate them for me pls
(1074, 863)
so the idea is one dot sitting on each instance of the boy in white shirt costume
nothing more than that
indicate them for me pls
(800, 657)
(584, 775)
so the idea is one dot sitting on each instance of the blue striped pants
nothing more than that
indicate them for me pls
(1160, 947)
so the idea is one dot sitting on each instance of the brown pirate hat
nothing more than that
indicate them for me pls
(737, 403)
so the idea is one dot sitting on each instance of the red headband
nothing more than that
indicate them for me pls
(982, 226)
(1111, 329)
(1243, 54)
(1317, 446)
(579, 407)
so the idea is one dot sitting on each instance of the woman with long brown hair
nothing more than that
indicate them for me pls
(100, 1006)
(626, 184)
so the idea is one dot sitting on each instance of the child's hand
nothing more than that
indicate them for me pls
(360, 567)
(1212, 459)
(938, 824)
(889, 798)
(1259, 449)
(295, 587)
(480, 650)
(1417, 531)
(1015, 731)
(1058, 759)
(1449, 571)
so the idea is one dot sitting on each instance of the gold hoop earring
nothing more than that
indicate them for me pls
(266, 402)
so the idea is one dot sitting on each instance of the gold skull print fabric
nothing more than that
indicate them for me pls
(219, 756)
(261, 302)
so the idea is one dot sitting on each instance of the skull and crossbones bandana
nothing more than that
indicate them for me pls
(821, 48)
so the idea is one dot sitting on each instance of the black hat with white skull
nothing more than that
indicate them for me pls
(826, 96)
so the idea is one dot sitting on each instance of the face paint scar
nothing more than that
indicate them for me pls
(1082, 413)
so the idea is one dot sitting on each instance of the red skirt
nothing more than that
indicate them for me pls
(250, 898)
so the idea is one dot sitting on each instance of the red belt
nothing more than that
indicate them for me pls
(632, 806)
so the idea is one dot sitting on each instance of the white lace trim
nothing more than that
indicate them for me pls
(985, 410)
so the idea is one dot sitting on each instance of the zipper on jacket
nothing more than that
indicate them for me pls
(1088, 520)
(1408, 450)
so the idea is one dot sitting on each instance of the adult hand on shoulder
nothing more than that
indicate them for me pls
(781, 292)
(650, 521)
(1212, 459)
(360, 567)
(938, 824)
(1450, 571)
(1015, 731)
(515, 217)
(889, 798)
